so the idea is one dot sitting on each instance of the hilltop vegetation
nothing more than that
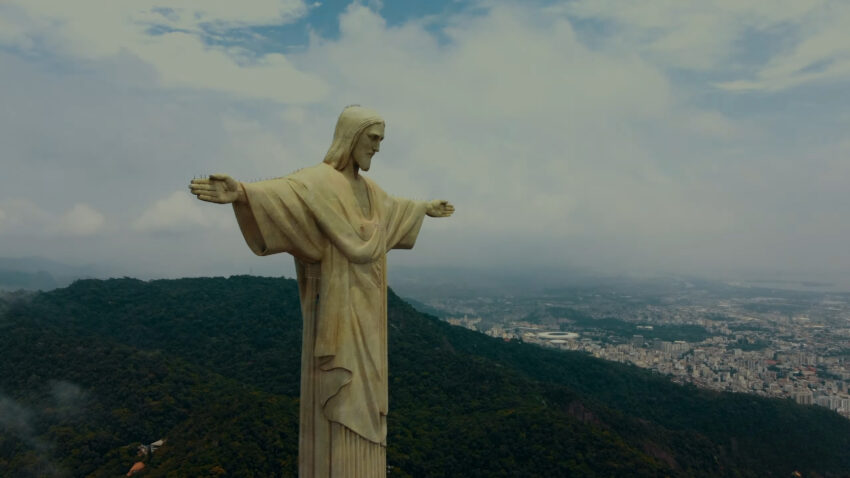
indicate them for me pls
(91, 371)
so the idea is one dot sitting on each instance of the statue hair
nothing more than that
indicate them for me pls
(350, 125)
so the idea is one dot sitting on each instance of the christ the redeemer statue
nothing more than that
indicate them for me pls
(339, 226)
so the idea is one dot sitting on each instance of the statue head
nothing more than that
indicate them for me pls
(357, 138)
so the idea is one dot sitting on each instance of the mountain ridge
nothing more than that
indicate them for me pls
(213, 363)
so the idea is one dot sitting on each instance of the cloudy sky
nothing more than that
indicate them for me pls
(710, 137)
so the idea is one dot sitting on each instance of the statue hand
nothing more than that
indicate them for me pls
(439, 208)
(218, 188)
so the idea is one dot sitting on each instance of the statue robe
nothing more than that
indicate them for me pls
(340, 257)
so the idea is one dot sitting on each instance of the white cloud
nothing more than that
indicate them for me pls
(81, 220)
(80, 27)
(812, 40)
(14, 30)
(22, 217)
(255, 143)
(555, 145)
(179, 54)
(182, 60)
(822, 54)
(189, 14)
(515, 114)
(181, 212)
(715, 125)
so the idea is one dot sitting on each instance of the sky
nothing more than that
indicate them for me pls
(705, 138)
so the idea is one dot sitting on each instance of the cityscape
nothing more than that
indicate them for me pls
(733, 337)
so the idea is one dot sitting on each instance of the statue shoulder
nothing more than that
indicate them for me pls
(315, 175)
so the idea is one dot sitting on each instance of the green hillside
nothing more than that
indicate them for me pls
(89, 372)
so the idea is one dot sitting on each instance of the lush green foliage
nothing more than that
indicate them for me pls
(91, 371)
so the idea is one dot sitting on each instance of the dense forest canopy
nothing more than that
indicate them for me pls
(90, 372)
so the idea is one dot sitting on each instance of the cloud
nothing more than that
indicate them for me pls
(18, 421)
(69, 399)
(514, 115)
(14, 417)
(181, 212)
(822, 55)
(592, 132)
(23, 217)
(26, 421)
(188, 44)
(81, 220)
(80, 28)
(533, 130)
(779, 45)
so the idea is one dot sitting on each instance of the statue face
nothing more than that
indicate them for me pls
(367, 145)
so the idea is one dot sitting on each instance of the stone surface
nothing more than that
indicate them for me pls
(339, 226)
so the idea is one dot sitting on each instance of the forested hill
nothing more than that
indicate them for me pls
(91, 371)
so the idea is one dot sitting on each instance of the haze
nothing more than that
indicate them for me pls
(705, 138)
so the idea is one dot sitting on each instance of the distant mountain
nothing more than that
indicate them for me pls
(424, 308)
(91, 371)
(15, 279)
(440, 282)
(38, 273)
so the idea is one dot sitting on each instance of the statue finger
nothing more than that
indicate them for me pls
(209, 198)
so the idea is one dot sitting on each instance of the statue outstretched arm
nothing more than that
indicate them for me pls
(218, 188)
(439, 208)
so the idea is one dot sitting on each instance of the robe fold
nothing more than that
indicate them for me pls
(340, 257)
